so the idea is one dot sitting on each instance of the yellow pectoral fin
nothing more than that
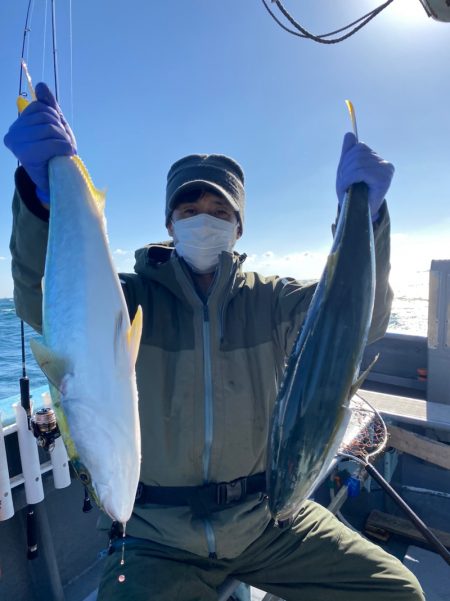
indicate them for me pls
(134, 334)
(53, 366)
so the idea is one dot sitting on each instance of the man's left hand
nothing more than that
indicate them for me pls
(359, 163)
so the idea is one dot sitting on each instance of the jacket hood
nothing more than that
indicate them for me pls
(152, 257)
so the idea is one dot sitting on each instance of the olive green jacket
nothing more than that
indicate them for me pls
(207, 372)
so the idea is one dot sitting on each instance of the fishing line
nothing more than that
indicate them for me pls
(71, 62)
(55, 51)
(322, 38)
(44, 45)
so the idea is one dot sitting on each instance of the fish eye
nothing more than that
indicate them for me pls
(84, 476)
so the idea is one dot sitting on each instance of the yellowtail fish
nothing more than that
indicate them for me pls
(312, 410)
(89, 347)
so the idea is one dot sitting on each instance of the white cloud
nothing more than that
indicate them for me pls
(412, 254)
(2, 258)
(302, 265)
(123, 261)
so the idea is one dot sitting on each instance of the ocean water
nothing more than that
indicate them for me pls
(11, 358)
(409, 316)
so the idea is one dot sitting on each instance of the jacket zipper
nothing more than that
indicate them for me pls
(208, 407)
(209, 421)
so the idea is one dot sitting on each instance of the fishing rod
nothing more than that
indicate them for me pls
(42, 425)
(24, 382)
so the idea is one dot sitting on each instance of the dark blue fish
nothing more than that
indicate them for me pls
(311, 412)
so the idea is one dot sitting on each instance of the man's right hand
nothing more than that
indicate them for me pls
(39, 134)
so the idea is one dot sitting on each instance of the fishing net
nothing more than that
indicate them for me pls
(366, 434)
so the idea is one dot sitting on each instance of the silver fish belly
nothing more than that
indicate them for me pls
(90, 348)
(311, 411)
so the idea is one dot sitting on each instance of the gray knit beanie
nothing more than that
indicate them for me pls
(215, 171)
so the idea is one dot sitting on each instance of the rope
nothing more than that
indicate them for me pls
(300, 31)
(322, 35)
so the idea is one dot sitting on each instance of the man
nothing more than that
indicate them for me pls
(213, 349)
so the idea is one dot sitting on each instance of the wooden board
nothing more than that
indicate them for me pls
(380, 521)
(419, 446)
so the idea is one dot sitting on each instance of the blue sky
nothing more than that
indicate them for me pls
(153, 81)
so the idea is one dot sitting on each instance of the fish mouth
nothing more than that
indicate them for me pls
(118, 512)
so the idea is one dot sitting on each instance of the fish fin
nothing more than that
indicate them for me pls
(118, 334)
(53, 366)
(98, 196)
(330, 267)
(132, 337)
(356, 385)
(134, 334)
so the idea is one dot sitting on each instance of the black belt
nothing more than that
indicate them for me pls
(203, 500)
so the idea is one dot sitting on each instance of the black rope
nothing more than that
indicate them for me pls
(321, 38)
(322, 35)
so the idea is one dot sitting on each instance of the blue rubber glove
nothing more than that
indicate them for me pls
(359, 163)
(39, 134)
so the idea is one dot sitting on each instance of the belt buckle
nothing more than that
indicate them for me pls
(230, 492)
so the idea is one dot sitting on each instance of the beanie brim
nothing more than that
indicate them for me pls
(198, 184)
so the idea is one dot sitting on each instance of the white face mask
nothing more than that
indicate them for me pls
(202, 238)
